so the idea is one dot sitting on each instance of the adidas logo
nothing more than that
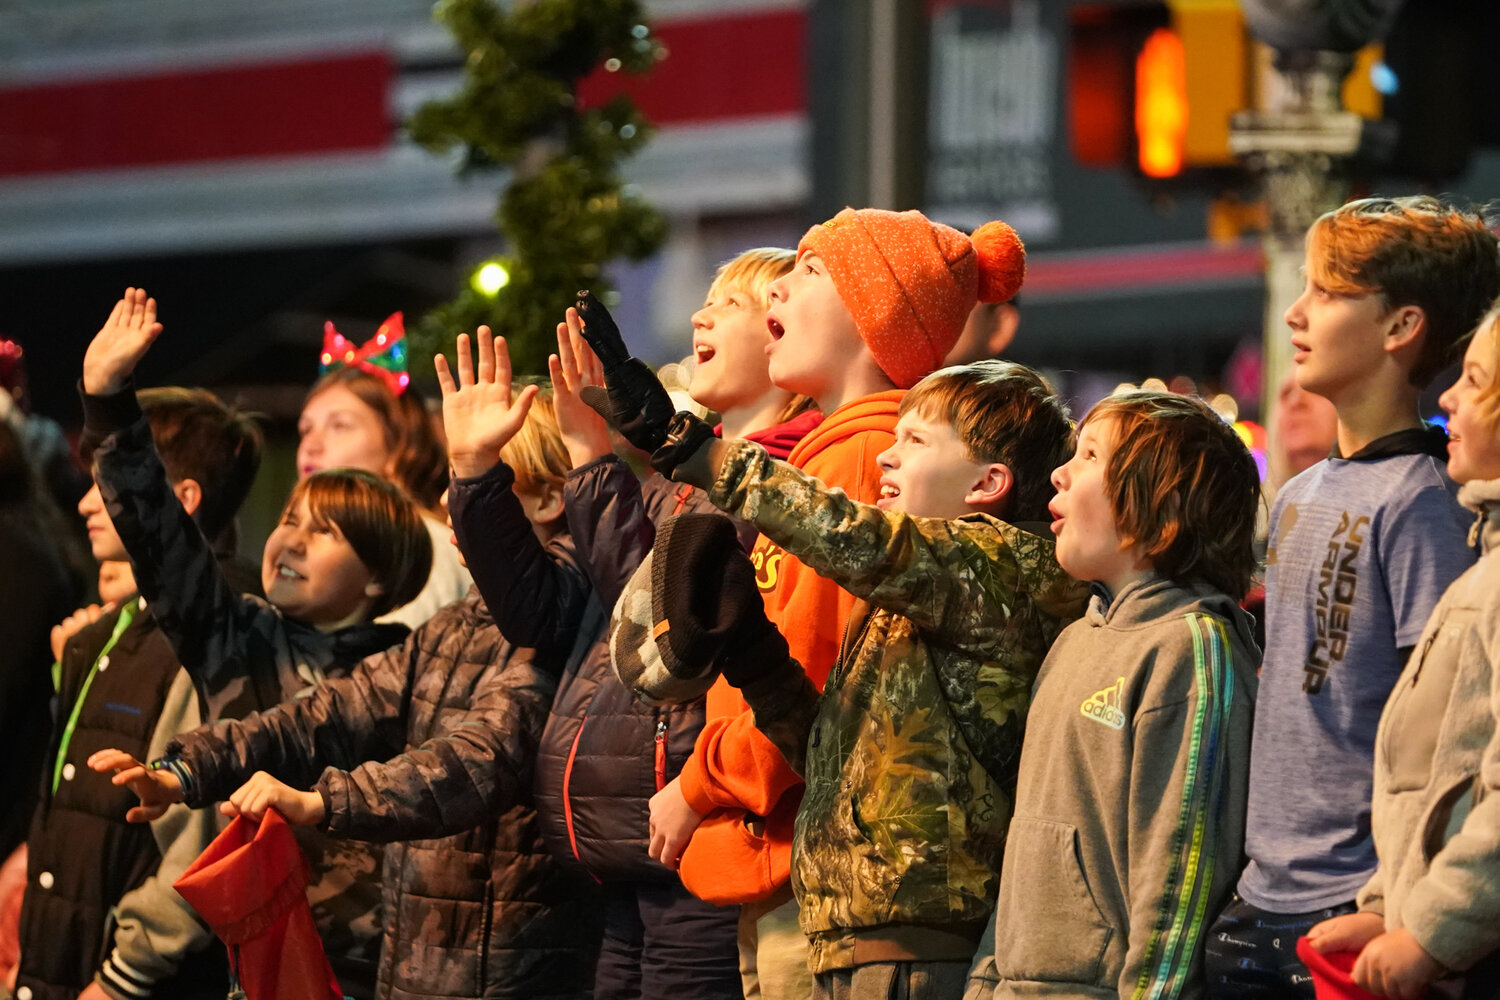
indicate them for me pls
(1104, 706)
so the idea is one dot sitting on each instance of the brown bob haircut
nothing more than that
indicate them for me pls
(1002, 412)
(1183, 487)
(1415, 251)
(421, 461)
(200, 437)
(381, 524)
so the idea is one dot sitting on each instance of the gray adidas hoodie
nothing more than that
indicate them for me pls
(1130, 809)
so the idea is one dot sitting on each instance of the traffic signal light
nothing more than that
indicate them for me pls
(1152, 86)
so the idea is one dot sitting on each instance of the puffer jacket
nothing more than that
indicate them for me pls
(911, 758)
(242, 653)
(84, 859)
(430, 748)
(603, 754)
(1435, 814)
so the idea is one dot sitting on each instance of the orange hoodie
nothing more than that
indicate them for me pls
(734, 773)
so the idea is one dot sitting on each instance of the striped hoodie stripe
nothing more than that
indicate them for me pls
(1185, 897)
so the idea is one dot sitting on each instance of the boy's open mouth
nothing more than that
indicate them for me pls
(703, 352)
(775, 327)
(287, 573)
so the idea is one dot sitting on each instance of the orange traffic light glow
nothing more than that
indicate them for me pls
(1161, 104)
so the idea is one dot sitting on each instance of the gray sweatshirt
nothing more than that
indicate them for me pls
(1130, 809)
(1435, 817)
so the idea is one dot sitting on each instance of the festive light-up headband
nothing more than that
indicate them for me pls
(383, 355)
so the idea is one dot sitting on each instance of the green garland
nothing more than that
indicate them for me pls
(565, 212)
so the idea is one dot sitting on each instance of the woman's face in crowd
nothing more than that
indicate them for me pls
(339, 430)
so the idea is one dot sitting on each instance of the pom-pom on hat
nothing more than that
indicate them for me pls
(910, 283)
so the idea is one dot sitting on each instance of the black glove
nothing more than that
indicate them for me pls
(705, 584)
(685, 435)
(635, 403)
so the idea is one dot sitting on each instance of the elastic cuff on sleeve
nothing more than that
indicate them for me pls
(578, 472)
(322, 789)
(184, 776)
(122, 982)
(690, 784)
(499, 476)
(111, 412)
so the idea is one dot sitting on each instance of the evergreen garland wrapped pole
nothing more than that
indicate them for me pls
(564, 212)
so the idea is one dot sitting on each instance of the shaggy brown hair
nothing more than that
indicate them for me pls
(1183, 487)
(1002, 412)
(202, 438)
(381, 524)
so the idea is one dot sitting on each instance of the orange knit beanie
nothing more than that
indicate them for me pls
(910, 283)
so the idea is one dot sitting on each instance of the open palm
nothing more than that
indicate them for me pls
(120, 343)
(480, 412)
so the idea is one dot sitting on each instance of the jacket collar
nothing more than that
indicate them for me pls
(1483, 497)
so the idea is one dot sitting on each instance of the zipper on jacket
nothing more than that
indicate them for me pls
(661, 754)
(568, 799)
(1419, 655)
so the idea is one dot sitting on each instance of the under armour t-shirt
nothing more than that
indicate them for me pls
(1359, 553)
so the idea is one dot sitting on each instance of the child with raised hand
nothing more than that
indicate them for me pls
(348, 547)
(614, 518)
(1361, 546)
(602, 754)
(874, 303)
(118, 928)
(354, 419)
(428, 748)
(911, 766)
(1130, 803)
(1432, 907)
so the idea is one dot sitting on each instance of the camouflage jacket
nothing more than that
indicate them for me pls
(911, 756)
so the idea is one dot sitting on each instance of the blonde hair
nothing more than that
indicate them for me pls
(752, 273)
(1487, 399)
(537, 454)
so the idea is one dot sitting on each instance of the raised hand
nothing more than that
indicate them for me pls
(573, 368)
(157, 789)
(637, 405)
(120, 343)
(263, 792)
(480, 414)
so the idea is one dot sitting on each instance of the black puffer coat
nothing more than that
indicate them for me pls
(485, 911)
(603, 754)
